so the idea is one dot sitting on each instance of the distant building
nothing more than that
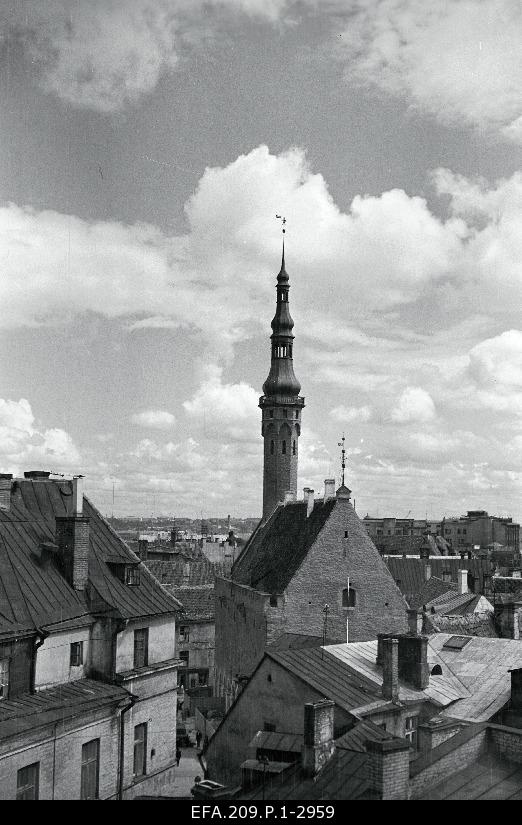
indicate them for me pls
(476, 531)
(88, 664)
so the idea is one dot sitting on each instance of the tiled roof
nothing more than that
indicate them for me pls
(33, 590)
(409, 573)
(278, 547)
(356, 738)
(56, 704)
(197, 602)
(329, 675)
(185, 573)
(345, 776)
(431, 590)
(295, 641)
(474, 624)
(410, 545)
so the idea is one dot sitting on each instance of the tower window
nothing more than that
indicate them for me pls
(297, 413)
(294, 448)
(271, 413)
(290, 350)
(283, 448)
(271, 448)
(285, 413)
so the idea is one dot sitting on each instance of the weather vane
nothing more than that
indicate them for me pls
(343, 458)
(283, 221)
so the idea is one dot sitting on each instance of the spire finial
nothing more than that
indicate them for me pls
(343, 458)
(283, 230)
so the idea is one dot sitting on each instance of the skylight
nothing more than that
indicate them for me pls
(456, 642)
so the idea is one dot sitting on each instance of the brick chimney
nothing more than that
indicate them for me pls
(289, 496)
(462, 578)
(318, 735)
(413, 661)
(72, 538)
(516, 689)
(415, 621)
(143, 549)
(389, 768)
(390, 669)
(329, 488)
(308, 497)
(5, 491)
(508, 616)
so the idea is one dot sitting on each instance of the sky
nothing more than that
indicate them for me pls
(146, 147)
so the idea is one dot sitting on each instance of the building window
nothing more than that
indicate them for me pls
(294, 447)
(283, 448)
(436, 670)
(76, 657)
(297, 413)
(269, 727)
(271, 448)
(27, 781)
(273, 601)
(90, 769)
(141, 647)
(184, 633)
(184, 656)
(140, 750)
(132, 576)
(4, 678)
(271, 413)
(285, 413)
(446, 575)
(411, 730)
(349, 597)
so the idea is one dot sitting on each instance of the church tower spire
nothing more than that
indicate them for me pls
(281, 404)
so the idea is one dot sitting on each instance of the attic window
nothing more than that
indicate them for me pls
(132, 576)
(456, 642)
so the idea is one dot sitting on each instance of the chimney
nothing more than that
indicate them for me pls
(318, 735)
(143, 549)
(414, 622)
(289, 496)
(463, 581)
(510, 620)
(427, 571)
(390, 669)
(413, 661)
(329, 488)
(186, 572)
(5, 491)
(72, 538)
(516, 689)
(389, 768)
(77, 495)
(309, 502)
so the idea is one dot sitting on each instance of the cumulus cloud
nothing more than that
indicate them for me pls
(155, 419)
(26, 446)
(460, 61)
(415, 404)
(495, 366)
(349, 414)
(224, 411)
(104, 54)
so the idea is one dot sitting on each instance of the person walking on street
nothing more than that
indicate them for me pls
(198, 739)
(178, 756)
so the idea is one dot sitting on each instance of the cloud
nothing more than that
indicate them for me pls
(226, 412)
(105, 54)
(460, 61)
(155, 419)
(25, 446)
(350, 414)
(495, 366)
(415, 404)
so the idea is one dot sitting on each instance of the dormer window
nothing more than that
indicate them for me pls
(132, 576)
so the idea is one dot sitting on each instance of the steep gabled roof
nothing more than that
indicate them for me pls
(33, 591)
(278, 547)
(409, 573)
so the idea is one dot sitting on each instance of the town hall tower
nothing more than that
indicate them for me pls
(281, 406)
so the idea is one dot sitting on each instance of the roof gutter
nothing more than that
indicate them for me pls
(121, 761)
(41, 637)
